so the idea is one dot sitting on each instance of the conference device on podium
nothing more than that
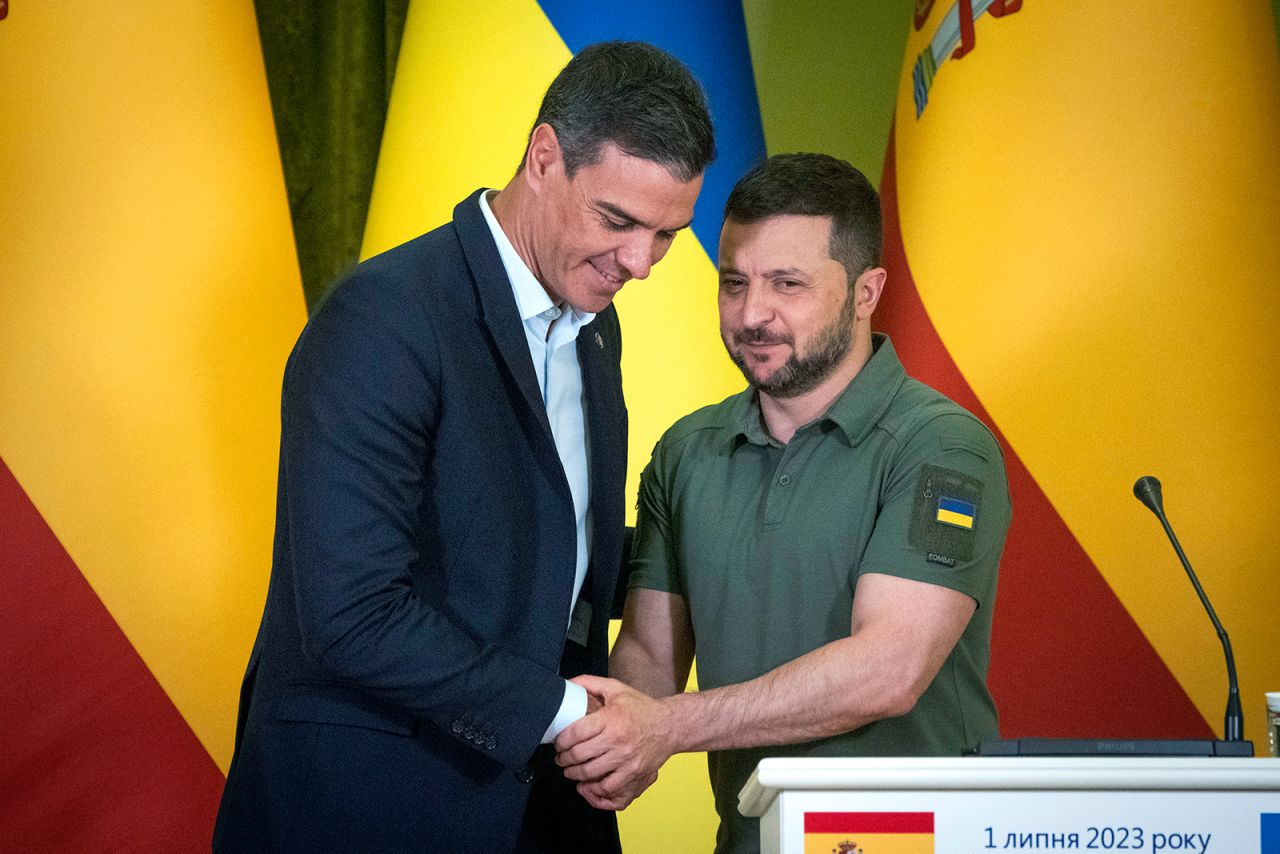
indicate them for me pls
(1033, 794)
(1147, 490)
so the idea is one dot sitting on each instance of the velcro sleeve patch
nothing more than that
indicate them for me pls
(943, 514)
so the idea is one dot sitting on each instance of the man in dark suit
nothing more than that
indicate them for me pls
(450, 508)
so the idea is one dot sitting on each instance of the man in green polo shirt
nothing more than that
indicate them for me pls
(825, 541)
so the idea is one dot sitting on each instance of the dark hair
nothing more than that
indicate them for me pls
(636, 96)
(815, 185)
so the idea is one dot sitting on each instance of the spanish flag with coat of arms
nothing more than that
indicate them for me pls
(868, 833)
(1081, 203)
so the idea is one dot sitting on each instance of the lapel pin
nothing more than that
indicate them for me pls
(599, 341)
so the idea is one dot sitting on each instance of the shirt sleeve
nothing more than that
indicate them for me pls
(572, 708)
(653, 556)
(944, 509)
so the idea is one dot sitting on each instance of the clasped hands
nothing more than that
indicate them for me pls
(614, 753)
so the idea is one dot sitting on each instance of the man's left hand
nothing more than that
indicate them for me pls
(615, 753)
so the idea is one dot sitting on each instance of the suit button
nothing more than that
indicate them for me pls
(491, 742)
(470, 734)
(457, 726)
(525, 775)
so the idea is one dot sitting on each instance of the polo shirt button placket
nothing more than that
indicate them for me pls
(776, 505)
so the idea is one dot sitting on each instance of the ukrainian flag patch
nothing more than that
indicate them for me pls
(955, 512)
(944, 515)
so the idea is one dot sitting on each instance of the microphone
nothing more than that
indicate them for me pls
(1147, 490)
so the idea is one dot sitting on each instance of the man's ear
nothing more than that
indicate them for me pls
(866, 292)
(543, 157)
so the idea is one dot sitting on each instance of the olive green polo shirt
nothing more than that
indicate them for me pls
(766, 542)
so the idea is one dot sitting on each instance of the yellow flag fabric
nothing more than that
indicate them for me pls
(150, 294)
(1087, 201)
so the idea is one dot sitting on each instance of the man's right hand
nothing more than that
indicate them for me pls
(594, 703)
(615, 755)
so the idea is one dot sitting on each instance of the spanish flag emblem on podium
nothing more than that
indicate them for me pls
(868, 833)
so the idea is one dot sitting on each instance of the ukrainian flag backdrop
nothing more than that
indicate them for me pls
(468, 85)
(1080, 214)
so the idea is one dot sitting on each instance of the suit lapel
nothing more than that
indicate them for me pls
(498, 307)
(602, 387)
(597, 346)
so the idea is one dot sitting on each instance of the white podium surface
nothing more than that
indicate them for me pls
(981, 804)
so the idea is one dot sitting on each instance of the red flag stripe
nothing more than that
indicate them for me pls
(1068, 660)
(868, 822)
(96, 756)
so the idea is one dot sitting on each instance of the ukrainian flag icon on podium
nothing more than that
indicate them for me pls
(1270, 831)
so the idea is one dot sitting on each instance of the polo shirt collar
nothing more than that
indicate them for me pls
(855, 412)
(865, 400)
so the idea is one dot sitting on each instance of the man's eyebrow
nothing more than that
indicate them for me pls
(780, 272)
(615, 211)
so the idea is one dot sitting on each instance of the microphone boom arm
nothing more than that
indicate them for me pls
(1147, 491)
(1233, 724)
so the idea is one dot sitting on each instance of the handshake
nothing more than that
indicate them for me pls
(615, 751)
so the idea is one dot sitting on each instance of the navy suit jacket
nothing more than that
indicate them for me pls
(409, 658)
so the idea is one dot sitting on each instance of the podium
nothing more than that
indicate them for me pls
(967, 805)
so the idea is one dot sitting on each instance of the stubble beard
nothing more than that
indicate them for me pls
(800, 373)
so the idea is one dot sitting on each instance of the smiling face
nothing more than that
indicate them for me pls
(608, 224)
(787, 310)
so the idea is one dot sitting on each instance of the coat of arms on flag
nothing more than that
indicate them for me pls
(868, 833)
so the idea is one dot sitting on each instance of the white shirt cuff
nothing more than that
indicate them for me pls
(573, 707)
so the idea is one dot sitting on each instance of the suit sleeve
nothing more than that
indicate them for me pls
(361, 394)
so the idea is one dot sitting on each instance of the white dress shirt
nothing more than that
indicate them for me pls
(552, 331)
